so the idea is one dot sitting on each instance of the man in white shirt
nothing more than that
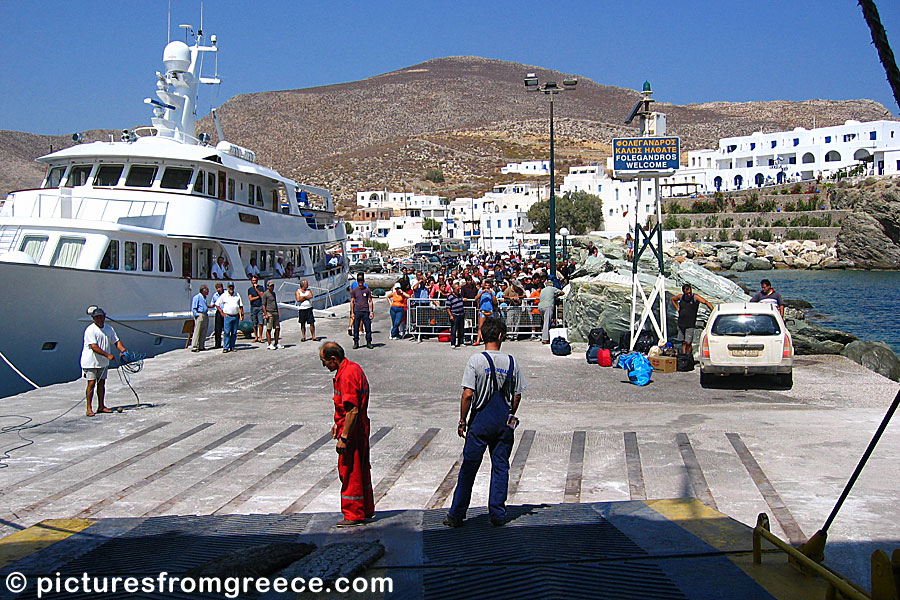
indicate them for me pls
(279, 268)
(252, 270)
(99, 339)
(218, 268)
(231, 308)
(304, 298)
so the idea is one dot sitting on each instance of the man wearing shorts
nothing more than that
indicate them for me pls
(687, 303)
(99, 339)
(254, 295)
(270, 314)
(304, 301)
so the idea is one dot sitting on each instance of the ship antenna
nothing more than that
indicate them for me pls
(169, 24)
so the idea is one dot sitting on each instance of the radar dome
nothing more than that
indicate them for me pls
(177, 56)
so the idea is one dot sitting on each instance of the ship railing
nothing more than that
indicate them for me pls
(317, 219)
(323, 298)
(65, 206)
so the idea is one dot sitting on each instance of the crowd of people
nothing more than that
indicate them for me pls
(518, 291)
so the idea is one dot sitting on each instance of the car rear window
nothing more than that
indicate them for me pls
(740, 325)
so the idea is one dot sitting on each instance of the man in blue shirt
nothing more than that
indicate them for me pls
(199, 310)
(254, 294)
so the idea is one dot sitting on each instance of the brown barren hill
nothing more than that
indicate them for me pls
(466, 115)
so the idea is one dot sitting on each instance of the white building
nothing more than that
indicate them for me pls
(501, 230)
(531, 167)
(405, 204)
(619, 197)
(785, 156)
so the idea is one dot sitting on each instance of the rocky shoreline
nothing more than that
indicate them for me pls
(753, 255)
(599, 294)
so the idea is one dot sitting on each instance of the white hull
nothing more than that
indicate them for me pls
(47, 305)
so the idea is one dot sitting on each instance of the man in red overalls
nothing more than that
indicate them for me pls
(351, 430)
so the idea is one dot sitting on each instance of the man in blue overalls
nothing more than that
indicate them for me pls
(492, 388)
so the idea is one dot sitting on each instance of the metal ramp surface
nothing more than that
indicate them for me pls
(665, 549)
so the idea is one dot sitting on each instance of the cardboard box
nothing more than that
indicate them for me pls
(664, 364)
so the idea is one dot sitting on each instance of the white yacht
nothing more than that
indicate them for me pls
(136, 226)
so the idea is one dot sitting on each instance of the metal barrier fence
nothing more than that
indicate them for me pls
(427, 317)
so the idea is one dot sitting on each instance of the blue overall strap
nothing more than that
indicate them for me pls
(503, 388)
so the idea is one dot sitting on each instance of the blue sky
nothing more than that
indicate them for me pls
(77, 65)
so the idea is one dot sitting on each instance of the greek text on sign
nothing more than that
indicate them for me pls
(646, 154)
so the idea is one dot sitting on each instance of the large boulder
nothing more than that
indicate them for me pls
(875, 356)
(599, 295)
(869, 242)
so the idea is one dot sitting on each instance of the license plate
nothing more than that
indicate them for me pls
(745, 352)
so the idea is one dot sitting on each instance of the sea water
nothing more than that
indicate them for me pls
(862, 303)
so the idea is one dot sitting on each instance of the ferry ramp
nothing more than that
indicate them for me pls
(615, 491)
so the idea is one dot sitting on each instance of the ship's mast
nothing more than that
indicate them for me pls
(176, 89)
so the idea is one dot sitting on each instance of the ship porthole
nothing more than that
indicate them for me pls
(48, 346)
(157, 341)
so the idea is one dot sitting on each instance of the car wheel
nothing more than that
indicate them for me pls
(705, 379)
(786, 380)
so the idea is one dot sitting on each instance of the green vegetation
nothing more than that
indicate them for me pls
(580, 212)
(737, 235)
(431, 225)
(376, 245)
(434, 175)
(348, 227)
(760, 235)
(796, 234)
(723, 235)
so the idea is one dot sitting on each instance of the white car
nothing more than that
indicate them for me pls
(746, 338)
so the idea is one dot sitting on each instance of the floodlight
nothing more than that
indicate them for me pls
(531, 83)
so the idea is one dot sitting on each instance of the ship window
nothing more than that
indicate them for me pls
(198, 184)
(108, 175)
(165, 264)
(211, 184)
(131, 256)
(252, 189)
(259, 196)
(110, 260)
(78, 175)
(67, 252)
(231, 189)
(54, 177)
(140, 176)
(33, 246)
(146, 257)
(176, 178)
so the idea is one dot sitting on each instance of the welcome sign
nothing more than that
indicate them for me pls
(646, 154)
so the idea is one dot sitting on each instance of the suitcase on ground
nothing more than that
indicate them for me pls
(591, 354)
(684, 362)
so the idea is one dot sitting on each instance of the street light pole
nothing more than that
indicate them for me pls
(550, 88)
(552, 200)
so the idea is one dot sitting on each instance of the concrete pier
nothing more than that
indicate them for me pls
(246, 433)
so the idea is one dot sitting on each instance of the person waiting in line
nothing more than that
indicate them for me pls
(456, 310)
(547, 306)
(407, 289)
(486, 301)
(398, 309)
